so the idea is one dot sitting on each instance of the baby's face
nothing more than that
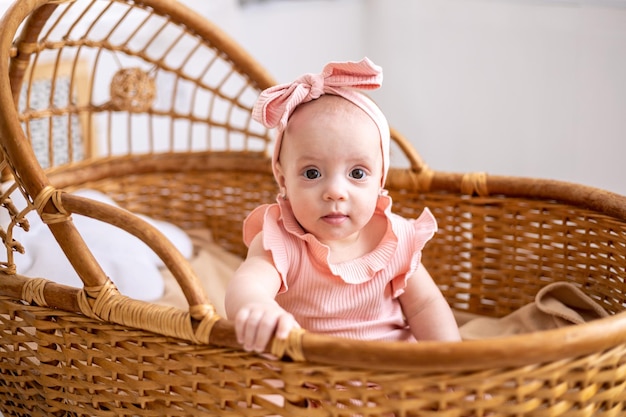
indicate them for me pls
(330, 167)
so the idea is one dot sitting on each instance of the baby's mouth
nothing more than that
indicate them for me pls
(335, 218)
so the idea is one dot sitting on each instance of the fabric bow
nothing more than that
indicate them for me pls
(275, 104)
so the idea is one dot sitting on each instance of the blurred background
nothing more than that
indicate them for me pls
(533, 88)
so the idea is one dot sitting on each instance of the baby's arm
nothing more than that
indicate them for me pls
(250, 300)
(427, 311)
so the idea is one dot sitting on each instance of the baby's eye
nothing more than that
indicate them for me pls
(358, 174)
(312, 174)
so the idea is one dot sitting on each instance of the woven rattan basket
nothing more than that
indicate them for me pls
(150, 103)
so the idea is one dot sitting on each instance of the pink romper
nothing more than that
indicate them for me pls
(356, 299)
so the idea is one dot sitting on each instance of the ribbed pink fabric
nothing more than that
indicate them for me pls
(355, 299)
(275, 104)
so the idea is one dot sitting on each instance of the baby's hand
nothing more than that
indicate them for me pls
(256, 323)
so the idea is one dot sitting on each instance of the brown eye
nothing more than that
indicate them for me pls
(358, 174)
(312, 174)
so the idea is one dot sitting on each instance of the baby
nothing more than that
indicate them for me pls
(330, 256)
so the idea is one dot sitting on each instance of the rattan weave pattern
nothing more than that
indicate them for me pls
(188, 152)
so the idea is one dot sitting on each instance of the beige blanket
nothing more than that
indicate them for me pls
(213, 266)
(556, 305)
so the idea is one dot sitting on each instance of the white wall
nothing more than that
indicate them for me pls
(294, 37)
(532, 88)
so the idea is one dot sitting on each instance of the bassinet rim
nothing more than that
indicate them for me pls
(513, 351)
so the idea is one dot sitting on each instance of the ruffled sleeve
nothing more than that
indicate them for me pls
(253, 224)
(267, 219)
(413, 235)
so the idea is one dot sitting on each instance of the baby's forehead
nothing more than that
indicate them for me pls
(330, 121)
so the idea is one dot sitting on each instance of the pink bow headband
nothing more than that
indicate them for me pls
(277, 103)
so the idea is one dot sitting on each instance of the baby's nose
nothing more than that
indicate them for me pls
(336, 189)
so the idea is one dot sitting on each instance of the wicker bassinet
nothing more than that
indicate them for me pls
(150, 103)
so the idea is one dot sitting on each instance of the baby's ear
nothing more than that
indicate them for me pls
(280, 178)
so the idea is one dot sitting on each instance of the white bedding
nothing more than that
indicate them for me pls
(131, 265)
